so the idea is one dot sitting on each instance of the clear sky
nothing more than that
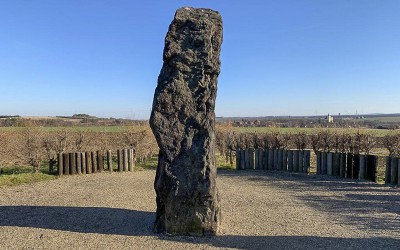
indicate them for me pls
(286, 57)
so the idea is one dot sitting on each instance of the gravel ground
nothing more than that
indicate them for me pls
(261, 210)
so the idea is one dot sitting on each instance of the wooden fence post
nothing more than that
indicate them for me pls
(318, 162)
(349, 166)
(336, 164)
(94, 162)
(290, 160)
(242, 159)
(125, 156)
(78, 162)
(120, 163)
(83, 159)
(329, 169)
(251, 154)
(279, 161)
(256, 158)
(237, 159)
(130, 159)
(307, 161)
(398, 171)
(296, 161)
(88, 162)
(60, 164)
(301, 161)
(100, 160)
(323, 163)
(72, 163)
(251, 158)
(275, 165)
(393, 174)
(362, 167)
(66, 163)
(265, 159)
(246, 159)
(285, 160)
(356, 166)
(342, 165)
(109, 161)
(262, 158)
(270, 158)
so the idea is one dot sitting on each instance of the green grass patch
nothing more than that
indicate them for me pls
(223, 164)
(24, 178)
(149, 164)
(10, 170)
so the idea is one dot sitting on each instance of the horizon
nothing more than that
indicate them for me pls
(217, 117)
(286, 58)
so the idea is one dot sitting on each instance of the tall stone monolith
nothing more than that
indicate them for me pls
(183, 122)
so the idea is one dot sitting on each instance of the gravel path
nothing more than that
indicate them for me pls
(261, 210)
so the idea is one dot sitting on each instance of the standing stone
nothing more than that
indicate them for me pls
(183, 122)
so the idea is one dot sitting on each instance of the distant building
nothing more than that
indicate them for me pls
(329, 118)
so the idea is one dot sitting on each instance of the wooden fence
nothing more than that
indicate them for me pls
(392, 174)
(343, 165)
(347, 165)
(273, 159)
(94, 162)
(356, 166)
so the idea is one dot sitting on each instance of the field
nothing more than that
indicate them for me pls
(374, 132)
(388, 119)
(96, 129)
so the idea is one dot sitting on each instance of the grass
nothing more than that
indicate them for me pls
(149, 164)
(222, 164)
(16, 175)
(24, 178)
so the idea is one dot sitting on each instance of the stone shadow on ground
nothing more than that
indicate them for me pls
(99, 220)
(365, 205)
(126, 222)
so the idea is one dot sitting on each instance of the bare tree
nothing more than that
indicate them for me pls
(316, 143)
(300, 140)
(32, 151)
(54, 143)
(392, 144)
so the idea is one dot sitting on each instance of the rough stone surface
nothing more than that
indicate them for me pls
(183, 122)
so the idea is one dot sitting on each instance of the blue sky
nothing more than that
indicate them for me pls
(287, 57)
